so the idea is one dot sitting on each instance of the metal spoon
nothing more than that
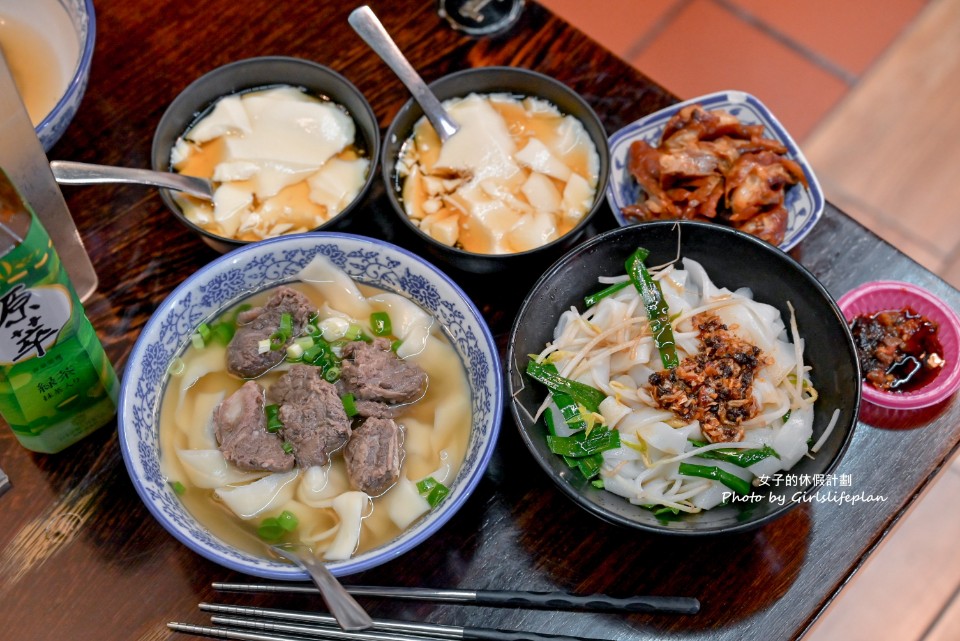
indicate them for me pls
(368, 27)
(79, 173)
(348, 613)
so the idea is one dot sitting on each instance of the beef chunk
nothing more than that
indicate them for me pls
(376, 409)
(372, 372)
(314, 420)
(243, 356)
(373, 456)
(240, 426)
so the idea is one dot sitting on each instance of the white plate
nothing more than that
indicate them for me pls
(805, 205)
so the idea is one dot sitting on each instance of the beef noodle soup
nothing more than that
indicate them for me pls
(320, 412)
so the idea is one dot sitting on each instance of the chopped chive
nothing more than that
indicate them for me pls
(546, 373)
(380, 324)
(597, 483)
(740, 458)
(580, 445)
(656, 305)
(593, 299)
(732, 481)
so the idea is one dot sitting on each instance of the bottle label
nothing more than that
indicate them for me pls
(31, 320)
(56, 383)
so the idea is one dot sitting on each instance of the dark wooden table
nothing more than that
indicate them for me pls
(81, 558)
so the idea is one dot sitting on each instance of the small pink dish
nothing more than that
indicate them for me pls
(878, 296)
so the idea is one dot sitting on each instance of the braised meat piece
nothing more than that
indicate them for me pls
(243, 354)
(373, 456)
(373, 372)
(710, 166)
(715, 386)
(240, 426)
(314, 421)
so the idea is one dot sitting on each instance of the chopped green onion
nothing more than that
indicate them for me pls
(223, 332)
(354, 332)
(197, 341)
(656, 306)
(786, 417)
(279, 338)
(316, 353)
(597, 483)
(287, 447)
(294, 352)
(288, 521)
(395, 345)
(740, 458)
(236, 313)
(349, 405)
(432, 490)
(332, 374)
(313, 318)
(732, 481)
(380, 324)
(593, 299)
(204, 330)
(176, 367)
(546, 373)
(263, 346)
(306, 342)
(178, 488)
(273, 528)
(274, 424)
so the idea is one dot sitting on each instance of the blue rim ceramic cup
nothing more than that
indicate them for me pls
(267, 263)
(55, 123)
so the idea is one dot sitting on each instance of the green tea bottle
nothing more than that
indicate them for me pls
(56, 383)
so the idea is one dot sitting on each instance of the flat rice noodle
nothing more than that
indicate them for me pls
(790, 441)
(642, 416)
(314, 525)
(700, 282)
(350, 507)
(452, 411)
(262, 496)
(662, 437)
(612, 411)
(410, 323)
(209, 470)
(419, 455)
(321, 484)
(203, 406)
(336, 287)
(404, 504)
(208, 360)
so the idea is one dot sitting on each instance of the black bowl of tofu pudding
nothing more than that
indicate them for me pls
(515, 187)
(683, 378)
(291, 146)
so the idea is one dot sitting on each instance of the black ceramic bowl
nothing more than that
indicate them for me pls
(733, 260)
(253, 73)
(488, 80)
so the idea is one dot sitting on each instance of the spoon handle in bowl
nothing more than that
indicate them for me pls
(369, 27)
(79, 173)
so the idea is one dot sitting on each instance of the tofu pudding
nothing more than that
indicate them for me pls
(283, 161)
(517, 175)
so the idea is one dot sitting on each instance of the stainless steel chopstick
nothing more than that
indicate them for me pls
(243, 635)
(324, 621)
(505, 598)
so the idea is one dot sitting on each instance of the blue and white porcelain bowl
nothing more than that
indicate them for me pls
(260, 265)
(67, 29)
(804, 205)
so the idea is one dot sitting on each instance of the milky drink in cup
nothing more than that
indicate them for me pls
(56, 383)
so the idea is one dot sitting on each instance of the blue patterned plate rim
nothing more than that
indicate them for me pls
(622, 189)
(241, 561)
